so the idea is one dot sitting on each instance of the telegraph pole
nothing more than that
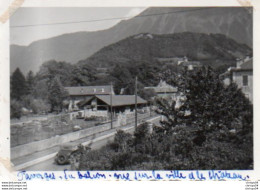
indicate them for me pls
(111, 106)
(136, 102)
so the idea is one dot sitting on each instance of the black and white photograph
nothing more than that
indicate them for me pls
(131, 88)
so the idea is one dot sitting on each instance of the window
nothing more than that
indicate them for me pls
(103, 90)
(245, 80)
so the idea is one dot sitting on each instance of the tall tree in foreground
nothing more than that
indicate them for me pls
(216, 121)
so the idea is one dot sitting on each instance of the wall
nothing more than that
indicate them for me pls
(29, 148)
(89, 113)
(238, 79)
(39, 129)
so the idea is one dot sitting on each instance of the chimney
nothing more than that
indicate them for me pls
(185, 59)
(247, 58)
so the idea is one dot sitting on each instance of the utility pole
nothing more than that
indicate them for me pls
(111, 105)
(136, 102)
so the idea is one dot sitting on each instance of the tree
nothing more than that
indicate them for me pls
(123, 141)
(213, 118)
(30, 82)
(41, 88)
(16, 107)
(57, 94)
(147, 94)
(18, 85)
(125, 80)
(83, 74)
(52, 68)
(125, 75)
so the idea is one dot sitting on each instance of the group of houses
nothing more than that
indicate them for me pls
(241, 74)
(102, 99)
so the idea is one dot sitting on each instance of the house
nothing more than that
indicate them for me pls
(164, 90)
(119, 103)
(181, 62)
(172, 60)
(79, 93)
(191, 65)
(242, 75)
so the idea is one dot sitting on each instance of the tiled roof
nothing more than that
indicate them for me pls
(117, 100)
(120, 100)
(89, 90)
(163, 89)
(247, 65)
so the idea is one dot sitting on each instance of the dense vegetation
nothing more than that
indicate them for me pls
(40, 93)
(212, 49)
(134, 56)
(211, 129)
(44, 91)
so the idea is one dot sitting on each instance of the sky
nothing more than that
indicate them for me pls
(41, 16)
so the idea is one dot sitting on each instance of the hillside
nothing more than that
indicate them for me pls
(234, 22)
(212, 49)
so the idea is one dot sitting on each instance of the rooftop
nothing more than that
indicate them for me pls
(163, 87)
(245, 66)
(248, 65)
(117, 100)
(89, 90)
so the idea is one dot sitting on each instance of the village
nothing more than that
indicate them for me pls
(92, 110)
(169, 88)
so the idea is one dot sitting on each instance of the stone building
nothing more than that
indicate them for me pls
(242, 75)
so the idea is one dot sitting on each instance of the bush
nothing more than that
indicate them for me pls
(40, 106)
(123, 142)
(16, 109)
(97, 159)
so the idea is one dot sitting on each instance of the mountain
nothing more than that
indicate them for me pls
(234, 22)
(211, 49)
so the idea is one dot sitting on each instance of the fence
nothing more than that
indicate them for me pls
(32, 147)
(29, 148)
(38, 130)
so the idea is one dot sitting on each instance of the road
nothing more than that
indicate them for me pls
(50, 165)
